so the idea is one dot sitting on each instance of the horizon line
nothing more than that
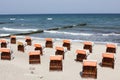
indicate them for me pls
(51, 13)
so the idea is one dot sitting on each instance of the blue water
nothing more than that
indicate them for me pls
(100, 27)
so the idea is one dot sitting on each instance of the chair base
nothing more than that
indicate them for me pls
(34, 62)
(107, 65)
(55, 68)
(34, 59)
(5, 56)
(89, 75)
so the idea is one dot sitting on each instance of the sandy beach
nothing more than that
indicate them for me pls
(19, 68)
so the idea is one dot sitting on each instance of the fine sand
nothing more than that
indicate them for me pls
(19, 68)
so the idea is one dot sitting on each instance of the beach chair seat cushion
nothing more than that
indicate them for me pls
(13, 40)
(55, 65)
(4, 45)
(59, 52)
(5, 56)
(34, 59)
(21, 48)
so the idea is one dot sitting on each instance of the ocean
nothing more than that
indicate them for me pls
(79, 27)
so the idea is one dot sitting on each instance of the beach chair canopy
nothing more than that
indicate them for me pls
(92, 63)
(108, 55)
(37, 45)
(81, 51)
(48, 39)
(28, 38)
(3, 41)
(12, 36)
(20, 43)
(5, 50)
(66, 41)
(34, 53)
(111, 45)
(60, 48)
(88, 43)
(56, 57)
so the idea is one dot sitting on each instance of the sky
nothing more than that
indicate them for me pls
(58, 6)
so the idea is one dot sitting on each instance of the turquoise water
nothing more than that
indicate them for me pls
(100, 27)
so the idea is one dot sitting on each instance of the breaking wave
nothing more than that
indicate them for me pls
(49, 18)
(12, 19)
(83, 34)
(4, 34)
(69, 33)
(111, 34)
(15, 29)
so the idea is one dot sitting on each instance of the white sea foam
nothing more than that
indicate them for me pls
(70, 33)
(84, 34)
(21, 19)
(111, 34)
(4, 34)
(49, 18)
(12, 19)
(16, 29)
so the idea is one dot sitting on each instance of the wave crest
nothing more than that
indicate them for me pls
(12, 19)
(69, 33)
(49, 18)
(111, 34)
(83, 34)
(21, 30)
(4, 34)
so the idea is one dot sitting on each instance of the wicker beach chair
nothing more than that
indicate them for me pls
(28, 40)
(89, 69)
(39, 47)
(59, 51)
(34, 57)
(49, 43)
(111, 48)
(13, 39)
(56, 63)
(5, 53)
(88, 45)
(108, 60)
(66, 43)
(3, 43)
(81, 55)
(21, 46)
